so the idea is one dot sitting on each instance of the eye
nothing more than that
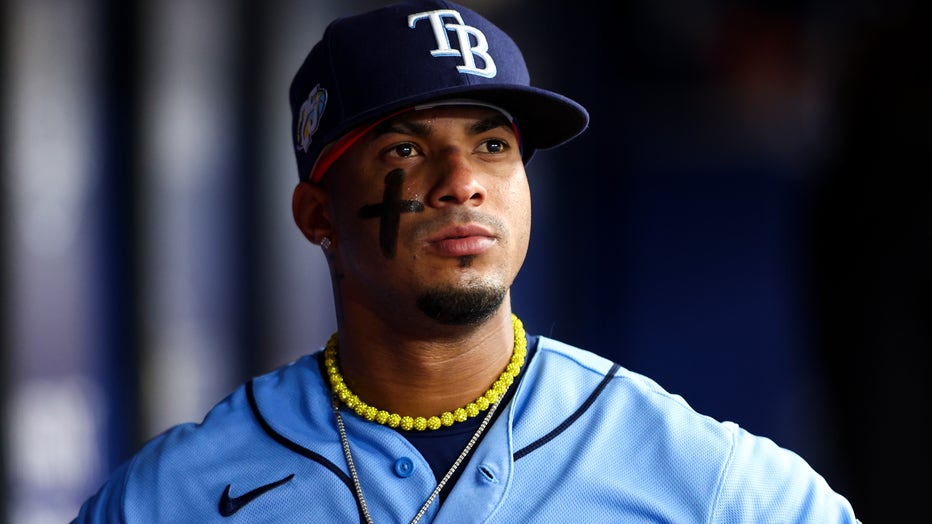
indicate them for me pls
(403, 150)
(495, 145)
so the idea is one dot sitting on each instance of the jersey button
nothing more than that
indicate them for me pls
(404, 467)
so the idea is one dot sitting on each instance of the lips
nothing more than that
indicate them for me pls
(465, 240)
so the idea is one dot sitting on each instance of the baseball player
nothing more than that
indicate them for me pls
(412, 125)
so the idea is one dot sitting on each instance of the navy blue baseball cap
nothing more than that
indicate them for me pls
(377, 64)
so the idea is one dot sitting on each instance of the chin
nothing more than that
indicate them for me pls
(462, 307)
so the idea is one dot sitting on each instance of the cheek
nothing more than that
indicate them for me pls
(389, 211)
(524, 227)
(518, 209)
(520, 197)
(353, 231)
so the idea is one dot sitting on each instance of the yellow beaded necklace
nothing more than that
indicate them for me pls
(447, 418)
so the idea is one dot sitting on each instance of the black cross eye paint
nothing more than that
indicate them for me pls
(389, 211)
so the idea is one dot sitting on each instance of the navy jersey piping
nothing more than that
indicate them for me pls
(297, 448)
(572, 418)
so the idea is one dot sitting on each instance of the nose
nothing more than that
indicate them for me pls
(457, 181)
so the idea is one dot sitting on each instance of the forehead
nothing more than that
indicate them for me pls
(472, 119)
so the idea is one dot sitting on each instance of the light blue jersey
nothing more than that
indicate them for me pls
(582, 440)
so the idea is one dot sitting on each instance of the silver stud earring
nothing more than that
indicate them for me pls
(325, 243)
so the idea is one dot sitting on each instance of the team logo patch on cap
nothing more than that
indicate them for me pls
(312, 110)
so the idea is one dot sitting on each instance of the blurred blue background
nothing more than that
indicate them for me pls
(745, 221)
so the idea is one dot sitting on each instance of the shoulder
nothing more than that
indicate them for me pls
(763, 480)
(189, 462)
(611, 415)
(561, 368)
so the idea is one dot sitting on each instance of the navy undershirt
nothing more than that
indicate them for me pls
(440, 447)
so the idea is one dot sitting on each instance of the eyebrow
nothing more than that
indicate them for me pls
(487, 124)
(402, 128)
(420, 129)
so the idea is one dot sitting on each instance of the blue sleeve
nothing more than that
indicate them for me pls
(106, 506)
(764, 481)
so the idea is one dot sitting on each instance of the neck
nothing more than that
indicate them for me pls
(440, 369)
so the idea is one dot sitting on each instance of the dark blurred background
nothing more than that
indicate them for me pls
(746, 221)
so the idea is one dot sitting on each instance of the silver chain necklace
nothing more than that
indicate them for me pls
(335, 403)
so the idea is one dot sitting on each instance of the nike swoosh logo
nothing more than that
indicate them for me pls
(229, 506)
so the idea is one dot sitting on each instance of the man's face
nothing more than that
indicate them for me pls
(431, 209)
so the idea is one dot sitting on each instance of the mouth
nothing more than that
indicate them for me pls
(462, 240)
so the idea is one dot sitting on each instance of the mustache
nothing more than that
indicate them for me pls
(429, 226)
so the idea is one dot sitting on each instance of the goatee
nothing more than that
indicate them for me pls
(459, 307)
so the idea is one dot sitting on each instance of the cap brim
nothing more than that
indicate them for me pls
(546, 119)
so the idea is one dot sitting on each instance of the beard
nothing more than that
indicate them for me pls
(462, 307)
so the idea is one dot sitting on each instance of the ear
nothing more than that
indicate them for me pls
(310, 208)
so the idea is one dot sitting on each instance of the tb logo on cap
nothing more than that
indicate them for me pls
(463, 33)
